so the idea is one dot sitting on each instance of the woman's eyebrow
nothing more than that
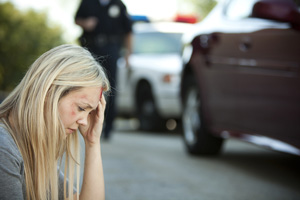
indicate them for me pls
(89, 106)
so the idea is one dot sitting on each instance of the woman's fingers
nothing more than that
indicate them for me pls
(101, 107)
(103, 102)
(93, 129)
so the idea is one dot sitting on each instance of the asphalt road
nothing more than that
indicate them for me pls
(154, 166)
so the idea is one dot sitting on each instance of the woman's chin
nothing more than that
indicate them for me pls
(69, 131)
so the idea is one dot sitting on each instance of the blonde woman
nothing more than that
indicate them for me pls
(60, 94)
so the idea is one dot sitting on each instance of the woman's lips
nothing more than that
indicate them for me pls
(70, 130)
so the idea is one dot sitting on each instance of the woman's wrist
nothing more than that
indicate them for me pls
(91, 145)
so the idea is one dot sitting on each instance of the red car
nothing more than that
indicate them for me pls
(241, 77)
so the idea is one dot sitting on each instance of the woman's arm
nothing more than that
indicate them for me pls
(93, 180)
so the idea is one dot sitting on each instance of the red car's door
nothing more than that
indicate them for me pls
(252, 79)
(269, 86)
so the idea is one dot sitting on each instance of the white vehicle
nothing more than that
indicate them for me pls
(149, 88)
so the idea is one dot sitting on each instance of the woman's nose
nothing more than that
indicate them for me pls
(83, 120)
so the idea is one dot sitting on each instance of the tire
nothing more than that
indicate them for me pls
(147, 113)
(197, 139)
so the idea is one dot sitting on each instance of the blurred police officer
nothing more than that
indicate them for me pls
(107, 29)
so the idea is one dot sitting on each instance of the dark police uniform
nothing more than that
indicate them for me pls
(106, 40)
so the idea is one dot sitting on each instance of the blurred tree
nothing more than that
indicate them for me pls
(200, 7)
(23, 37)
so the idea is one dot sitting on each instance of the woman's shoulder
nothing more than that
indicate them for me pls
(8, 147)
(12, 179)
(6, 139)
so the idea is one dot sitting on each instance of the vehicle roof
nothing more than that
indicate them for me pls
(166, 27)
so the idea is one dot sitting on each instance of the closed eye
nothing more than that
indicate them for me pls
(80, 109)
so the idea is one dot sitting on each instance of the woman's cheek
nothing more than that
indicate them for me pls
(73, 110)
(71, 115)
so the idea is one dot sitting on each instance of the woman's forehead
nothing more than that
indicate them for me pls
(88, 95)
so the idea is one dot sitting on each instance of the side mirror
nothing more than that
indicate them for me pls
(279, 10)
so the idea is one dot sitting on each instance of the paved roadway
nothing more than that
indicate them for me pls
(154, 166)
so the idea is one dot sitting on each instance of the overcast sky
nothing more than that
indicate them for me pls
(62, 11)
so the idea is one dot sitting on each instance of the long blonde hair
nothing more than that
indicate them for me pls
(31, 115)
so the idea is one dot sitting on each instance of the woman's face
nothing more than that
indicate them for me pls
(75, 107)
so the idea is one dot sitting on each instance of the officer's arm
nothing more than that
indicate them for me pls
(128, 46)
(87, 24)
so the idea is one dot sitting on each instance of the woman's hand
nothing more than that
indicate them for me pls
(92, 131)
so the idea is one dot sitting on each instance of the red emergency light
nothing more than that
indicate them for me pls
(186, 18)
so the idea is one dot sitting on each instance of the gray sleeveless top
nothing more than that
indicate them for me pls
(12, 177)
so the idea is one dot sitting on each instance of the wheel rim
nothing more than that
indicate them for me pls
(191, 117)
